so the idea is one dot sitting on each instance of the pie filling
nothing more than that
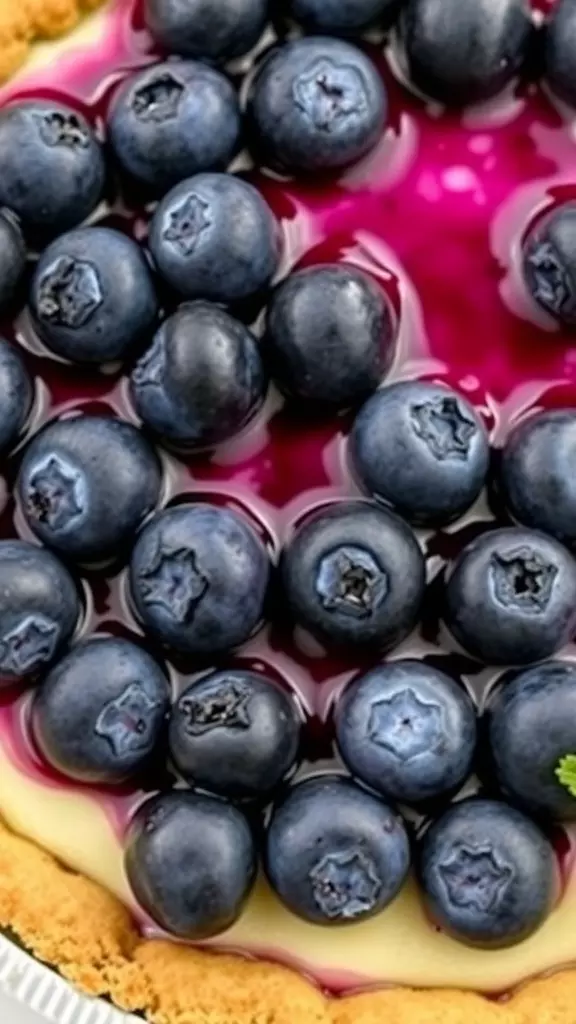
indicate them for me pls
(437, 215)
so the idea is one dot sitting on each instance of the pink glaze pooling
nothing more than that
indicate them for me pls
(436, 215)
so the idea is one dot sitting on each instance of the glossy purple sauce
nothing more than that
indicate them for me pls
(437, 215)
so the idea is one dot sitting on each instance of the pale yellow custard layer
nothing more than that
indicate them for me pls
(399, 946)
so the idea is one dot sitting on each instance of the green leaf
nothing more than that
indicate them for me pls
(566, 773)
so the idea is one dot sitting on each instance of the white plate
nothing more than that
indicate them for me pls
(31, 993)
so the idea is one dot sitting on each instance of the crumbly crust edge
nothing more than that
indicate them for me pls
(76, 926)
(23, 22)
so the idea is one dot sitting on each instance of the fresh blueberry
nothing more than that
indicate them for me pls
(39, 609)
(354, 575)
(100, 711)
(12, 258)
(16, 394)
(52, 169)
(200, 28)
(235, 732)
(201, 380)
(317, 104)
(537, 474)
(330, 334)
(511, 597)
(93, 297)
(421, 448)
(341, 17)
(560, 50)
(407, 730)
(214, 237)
(199, 576)
(174, 120)
(549, 263)
(532, 729)
(87, 483)
(464, 51)
(191, 862)
(334, 853)
(489, 875)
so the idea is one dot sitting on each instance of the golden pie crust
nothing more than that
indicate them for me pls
(23, 22)
(77, 927)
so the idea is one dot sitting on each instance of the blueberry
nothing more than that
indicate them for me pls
(87, 483)
(341, 17)
(214, 237)
(191, 862)
(174, 120)
(100, 711)
(236, 733)
(330, 334)
(488, 874)
(421, 448)
(201, 380)
(511, 597)
(407, 730)
(537, 474)
(464, 51)
(317, 104)
(93, 297)
(200, 28)
(16, 394)
(532, 729)
(335, 854)
(52, 170)
(12, 258)
(39, 609)
(199, 576)
(354, 575)
(560, 50)
(549, 263)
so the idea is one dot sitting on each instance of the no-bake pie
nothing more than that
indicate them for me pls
(288, 506)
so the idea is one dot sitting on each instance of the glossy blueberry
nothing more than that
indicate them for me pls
(191, 862)
(549, 263)
(335, 854)
(464, 51)
(52, 169)
(330, 334)
(100, 711)
(341, 17)
(317, 104)
(174, 120)
(39, 609)
(421, 448)
(214, 237)
(93, 297)
(199, 575)
(86, 484)
(354, 575)
(12, 258)
(16, 394)
(560, 50)
(407, 730)
(511, 597)
(235, 732)
(200, 28)
(202, 379)
(537, 475)
(532, 728)
(488, 874)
